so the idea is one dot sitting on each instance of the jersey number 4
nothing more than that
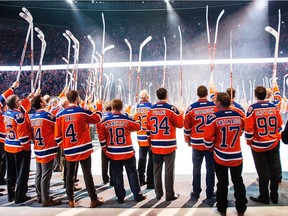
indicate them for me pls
(70, 133)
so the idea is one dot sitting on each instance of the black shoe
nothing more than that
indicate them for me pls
(257, 199)
(26, 198)
(140, 197)
(193, 196)
(173, 198)
(158, 197)
(143, 183)
(120, 201)
(150, 187)
(274, 200)
(222, 213)
(212, 196)
(2, 189)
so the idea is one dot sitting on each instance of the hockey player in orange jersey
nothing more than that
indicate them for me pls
(222, 134)
(162, 121)
(73, 135)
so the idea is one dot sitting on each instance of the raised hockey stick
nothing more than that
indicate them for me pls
(76, 58)
(130, 70)
(164, 66)
(212, 56)
(101, 69)
(31, 45)
(276, 34)
(43, 48)
(231, 67)
(68, 58)
(181, 65)
(139, 66)
(24, 16)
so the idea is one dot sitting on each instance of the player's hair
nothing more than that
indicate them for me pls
(224, 99)
(202, 91)
(117, 105)
(36, 102)
(144, 95)
(107, 106)
(260, 92)
(11, 101)
(72, 96)
(161, 93)
(228, 91)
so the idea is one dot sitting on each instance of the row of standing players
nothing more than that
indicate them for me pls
(212, 129)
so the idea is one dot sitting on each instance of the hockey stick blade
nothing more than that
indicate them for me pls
(65, 60)
(145, 42)
(272, 31)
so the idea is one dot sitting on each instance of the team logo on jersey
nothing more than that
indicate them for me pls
(250, 109)
(174, 108)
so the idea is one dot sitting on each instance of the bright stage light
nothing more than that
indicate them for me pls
(150, 64)
(70, 1)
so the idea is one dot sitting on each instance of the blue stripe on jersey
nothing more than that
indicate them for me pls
(263, 144)
(78, 150)
(58, 140)
(47, 152)
(75, 110)
(196, 141)
(248, 136)
(144, 105)
(187, 132)
(199, 104)
(3, 136)
(24, 139)
(103, 144)
(158, 143)
(208, 144)
(43, 115)
(228, 156)
(162, 105)
(119, 150)
(13, 143)
(142, 137)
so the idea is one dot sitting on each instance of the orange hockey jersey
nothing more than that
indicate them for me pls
(141, 114)
(115, 135)
(222, 133)
(45, 147)
(72, 132)
(162, 121)
(194, 122)
(3, 98)
(263, 126)
(18, 131)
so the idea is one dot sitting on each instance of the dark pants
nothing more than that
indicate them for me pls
(88, 179)
(197, 159)
(18, 166)
(267, 167)
(105, 168)
(143, 152)
(2, 162)
(222, 187)
(42, 180)
(169, 160)
(117, 177)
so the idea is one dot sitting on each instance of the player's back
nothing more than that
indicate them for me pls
(141, 115)
(195, 119)
(45, 147)
(115, 135)
(263, 126)
(162, 121)
(223, 131)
